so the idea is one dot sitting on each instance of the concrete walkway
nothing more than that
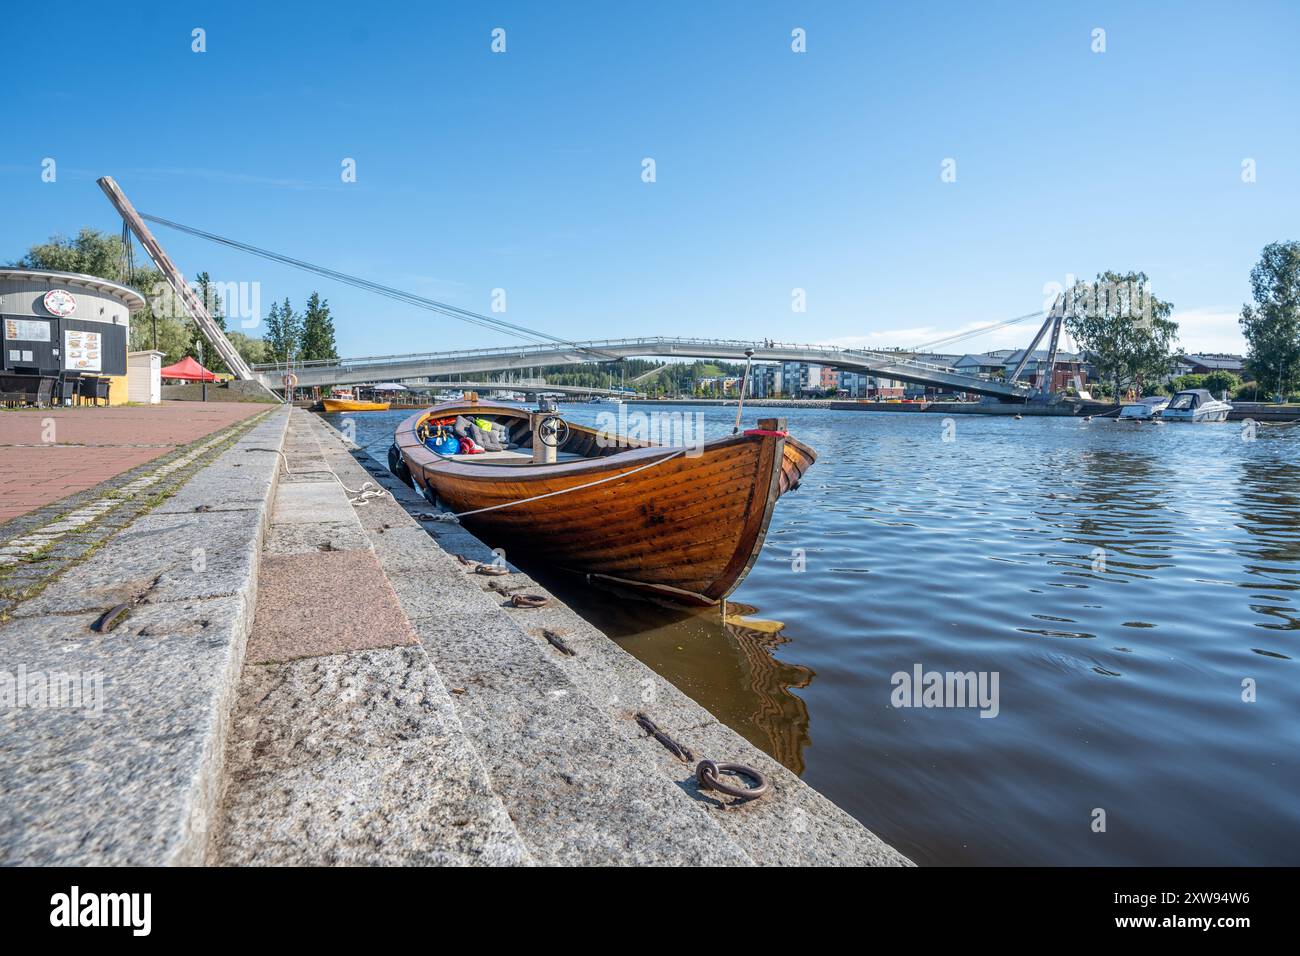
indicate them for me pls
(48, 454)
(507, 722)
(111, 753)
(345, 748)
(306, 675)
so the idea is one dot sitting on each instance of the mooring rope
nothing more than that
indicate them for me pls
(457, 515)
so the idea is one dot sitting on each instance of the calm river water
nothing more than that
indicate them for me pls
(1127, 583)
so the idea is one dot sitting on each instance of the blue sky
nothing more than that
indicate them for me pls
(774, 170)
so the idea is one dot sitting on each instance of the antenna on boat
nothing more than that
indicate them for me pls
(744, 382)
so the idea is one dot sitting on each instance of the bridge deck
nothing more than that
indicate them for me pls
(889, 365)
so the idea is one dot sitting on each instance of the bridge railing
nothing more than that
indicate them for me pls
(541, 351)
(592, 345)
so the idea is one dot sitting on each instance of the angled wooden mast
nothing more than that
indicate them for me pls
(197, 310)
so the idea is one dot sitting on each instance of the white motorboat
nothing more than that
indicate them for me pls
(1195, 405)
(1144, 409)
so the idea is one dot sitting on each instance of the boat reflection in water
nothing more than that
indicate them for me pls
(723, 658)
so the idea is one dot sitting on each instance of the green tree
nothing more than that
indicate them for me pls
(1220, 381)
(318, 330)
(283, 333)
(91, 253)
(199, 347)
(100, 254)
(1122, 329)
(164, 323)
(1271, 326)
(252, 350)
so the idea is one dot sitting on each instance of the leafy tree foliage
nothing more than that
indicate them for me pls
(162, 324)
(318, 330)
(1122, 329)
(1271, 326)
(283, 333)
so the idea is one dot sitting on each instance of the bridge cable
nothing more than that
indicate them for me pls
(948, 340)
(410, 298)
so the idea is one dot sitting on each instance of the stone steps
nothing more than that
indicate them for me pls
(793, 825)
(578, 791)
(345, 747)
(137, 782)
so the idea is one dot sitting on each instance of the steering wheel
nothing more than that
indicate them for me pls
(553, 431)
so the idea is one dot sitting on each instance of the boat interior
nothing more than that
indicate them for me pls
(581, 442)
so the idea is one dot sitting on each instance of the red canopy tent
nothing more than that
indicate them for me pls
(189, 370)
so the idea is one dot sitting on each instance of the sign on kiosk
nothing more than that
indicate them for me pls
(82, 351)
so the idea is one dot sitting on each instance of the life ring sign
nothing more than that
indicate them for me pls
(290, 380)
(60, 302)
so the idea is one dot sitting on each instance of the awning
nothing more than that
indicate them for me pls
(189, 370)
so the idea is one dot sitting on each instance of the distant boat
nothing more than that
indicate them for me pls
(1144, 409)
(684, 525)
(1195, 405)
(353, 405)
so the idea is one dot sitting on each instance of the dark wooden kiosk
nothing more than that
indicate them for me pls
(63, 336)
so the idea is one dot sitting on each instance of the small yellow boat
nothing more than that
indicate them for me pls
(352, 405)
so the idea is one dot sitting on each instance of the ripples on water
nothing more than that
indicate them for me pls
(1120, 669)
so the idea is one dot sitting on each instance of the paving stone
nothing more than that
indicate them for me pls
(315, 537)
(311, 502)
(134, 784)
(357, 759)
(164, 557)
(311, 605)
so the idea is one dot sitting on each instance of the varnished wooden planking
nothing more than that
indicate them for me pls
(690, 527)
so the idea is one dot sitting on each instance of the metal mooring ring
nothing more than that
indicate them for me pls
(706, 772)
(529, 600)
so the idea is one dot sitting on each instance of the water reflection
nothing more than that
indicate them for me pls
(1124, 581)
(726, 658)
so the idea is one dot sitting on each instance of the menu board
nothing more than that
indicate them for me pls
(82, 351)
(26, 330)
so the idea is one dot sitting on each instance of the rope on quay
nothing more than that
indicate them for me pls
(284, 459)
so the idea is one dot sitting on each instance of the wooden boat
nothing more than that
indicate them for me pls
(352, 405)
(682, 524)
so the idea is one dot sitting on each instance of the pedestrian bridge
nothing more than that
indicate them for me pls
(890, 365)
(526, 387)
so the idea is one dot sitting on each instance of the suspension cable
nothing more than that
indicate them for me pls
(948, 340)
(410, 298)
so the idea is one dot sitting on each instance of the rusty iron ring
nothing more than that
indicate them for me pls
(529, 600)
(706, 773)
(492, 570)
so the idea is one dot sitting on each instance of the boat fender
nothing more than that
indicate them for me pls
(397, 465)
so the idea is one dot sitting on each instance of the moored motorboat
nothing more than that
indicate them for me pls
(1144, 409)
(681, 523)
(1195, 405)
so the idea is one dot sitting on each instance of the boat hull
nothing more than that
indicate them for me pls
(678, 524)
(350, 405)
